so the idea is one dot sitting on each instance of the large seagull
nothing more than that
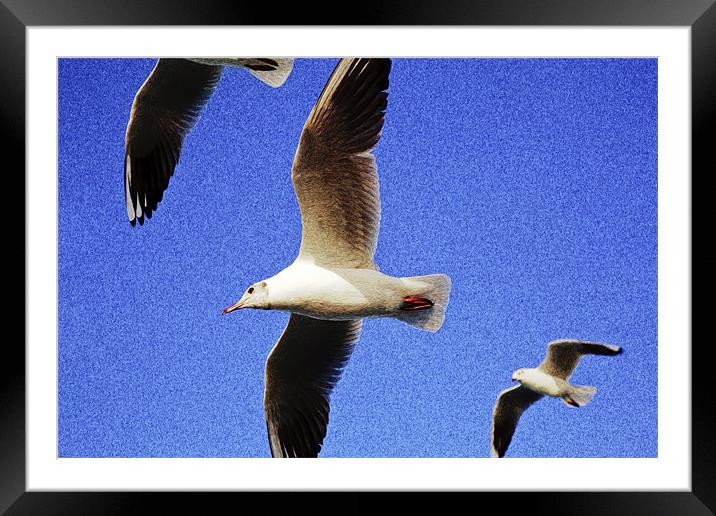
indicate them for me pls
(333, 283)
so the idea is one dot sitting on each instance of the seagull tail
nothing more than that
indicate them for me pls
(579, 395)
(272, 71)
(425, 309)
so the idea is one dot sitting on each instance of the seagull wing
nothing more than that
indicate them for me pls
(563, 355)
(510, 405)
(301, 371)
(334, 173)
(165, 108)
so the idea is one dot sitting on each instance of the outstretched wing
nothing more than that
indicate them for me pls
(165, 108)
(510, 405)
(301, 371)
(334, 172)
(563, 355)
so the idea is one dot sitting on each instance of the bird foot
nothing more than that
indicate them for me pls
(415, 303)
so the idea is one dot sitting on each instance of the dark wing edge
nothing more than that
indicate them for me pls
(510, 405)
(350, 110)
(563, 355)
(164, 110)
(301, 371)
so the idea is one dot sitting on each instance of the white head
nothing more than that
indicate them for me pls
(256, 296)
(519, 376)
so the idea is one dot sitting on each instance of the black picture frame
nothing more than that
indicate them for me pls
(17, 15)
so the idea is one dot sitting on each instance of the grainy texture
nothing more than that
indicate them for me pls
(532, 183)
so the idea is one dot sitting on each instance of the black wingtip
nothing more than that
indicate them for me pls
(497, 451)
(133, 222)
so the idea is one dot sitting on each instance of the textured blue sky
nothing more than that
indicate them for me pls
(531, 182)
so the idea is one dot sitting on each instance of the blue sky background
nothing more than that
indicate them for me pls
(531, 182)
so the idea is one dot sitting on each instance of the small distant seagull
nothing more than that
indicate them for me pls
(549, 379)
(334, 283)
(165, 108)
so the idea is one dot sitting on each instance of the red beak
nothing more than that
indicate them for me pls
(233, 307)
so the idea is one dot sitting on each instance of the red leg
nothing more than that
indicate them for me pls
(415, 303)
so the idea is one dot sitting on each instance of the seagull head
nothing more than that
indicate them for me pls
(518, 375)
(256, 296)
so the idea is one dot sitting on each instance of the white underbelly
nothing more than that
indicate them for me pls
(337, 294)
(546, 384)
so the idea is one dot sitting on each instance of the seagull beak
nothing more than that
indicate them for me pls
(514, 379)
(235, 306)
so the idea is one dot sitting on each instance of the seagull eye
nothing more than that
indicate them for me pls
(251, 290)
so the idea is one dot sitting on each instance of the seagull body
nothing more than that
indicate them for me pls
(338, 294)
(164, 110)
(543, 383)
(549, 379)
(334, 283)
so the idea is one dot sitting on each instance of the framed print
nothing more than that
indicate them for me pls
(496, 195)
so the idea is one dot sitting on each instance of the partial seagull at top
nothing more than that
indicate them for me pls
(164, 110)
(548, 379)
(333, 284)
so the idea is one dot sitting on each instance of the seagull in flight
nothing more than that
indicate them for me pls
(334, 283)
(164, 110)
(548, 379)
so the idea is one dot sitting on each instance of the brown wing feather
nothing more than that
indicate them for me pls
(510, 405)
(334, 172)
(165, 108)
(301, 372)
(563, 355)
